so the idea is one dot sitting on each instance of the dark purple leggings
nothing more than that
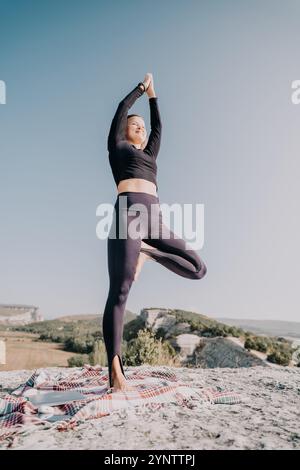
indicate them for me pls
(170, 251)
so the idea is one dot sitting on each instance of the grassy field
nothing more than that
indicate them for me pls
(24, 352)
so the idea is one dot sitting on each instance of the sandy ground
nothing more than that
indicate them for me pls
(268, 417)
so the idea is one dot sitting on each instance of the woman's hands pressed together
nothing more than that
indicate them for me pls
(149, 86)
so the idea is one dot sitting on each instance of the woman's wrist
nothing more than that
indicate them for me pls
(142, 86)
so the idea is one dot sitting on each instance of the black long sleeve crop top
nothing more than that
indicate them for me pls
(125, 159)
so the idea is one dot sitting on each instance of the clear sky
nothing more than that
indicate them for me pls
(222, 73)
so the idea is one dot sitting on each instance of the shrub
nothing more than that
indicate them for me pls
(44, 337)
(194, 325)
(132, 328)
(82, 344)
(147, 349)
(214, 331)
(261, 345)
(160, 333)
(280, 357)
(233, 331)
(249, 343)
(257, 343)
(77, 361)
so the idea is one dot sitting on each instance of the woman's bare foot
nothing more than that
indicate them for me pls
(121, 384)
(141, 259)
(119, 381)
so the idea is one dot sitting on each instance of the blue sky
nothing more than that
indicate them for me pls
(222, 72)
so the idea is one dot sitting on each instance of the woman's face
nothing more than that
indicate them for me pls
(136, 131)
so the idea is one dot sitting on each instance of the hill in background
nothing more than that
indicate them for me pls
(267, 327)
(161, 336)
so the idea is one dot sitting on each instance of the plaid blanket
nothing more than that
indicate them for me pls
(153, 387)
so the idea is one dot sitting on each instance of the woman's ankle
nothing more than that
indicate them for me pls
(116, 370)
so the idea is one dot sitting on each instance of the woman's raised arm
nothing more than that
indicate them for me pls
(119, 122)
(153, 144)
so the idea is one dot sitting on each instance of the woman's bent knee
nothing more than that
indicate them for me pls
(200, 273)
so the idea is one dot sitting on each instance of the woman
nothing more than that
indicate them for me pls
(134, 168)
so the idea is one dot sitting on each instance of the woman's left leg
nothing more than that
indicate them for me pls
(172, 251)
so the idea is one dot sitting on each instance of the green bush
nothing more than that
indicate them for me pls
(82, 344)
(77, 361)
(249, 343)
(280, 357)
(44, 337)
(261, 346)
(194, 325)
(234, 331)
(257, 343)
(281, 352)
(160, 333)
(214, 331)
(132, 328)
(147, 349)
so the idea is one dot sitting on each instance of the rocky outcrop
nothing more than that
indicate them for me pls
(197, 350)
(222, 352)
(185, 344)
(157, 318)
(19, 314)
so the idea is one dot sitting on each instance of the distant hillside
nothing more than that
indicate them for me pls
(267, 327)
(71, 318)
(164, 335)
(61, 328)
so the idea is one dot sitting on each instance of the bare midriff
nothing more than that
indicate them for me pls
(138, 185)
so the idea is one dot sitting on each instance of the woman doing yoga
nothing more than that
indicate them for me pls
(133, 162)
